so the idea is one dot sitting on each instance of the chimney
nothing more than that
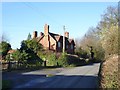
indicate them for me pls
(67, 34)
(46, 29)
(34, 34)
(41, 34)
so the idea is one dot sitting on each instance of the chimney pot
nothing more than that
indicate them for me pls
(34, 34)
(41, 34)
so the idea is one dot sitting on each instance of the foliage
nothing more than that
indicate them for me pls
(108, 30)
(82, 53)
(52, 60)
(4, 37)
(4, 48)
(29, 37)
(91, 39)
(7, 57)
(48, 56)
(31, 45)
(63, 60)
(109, 74)
(103, 38)
(21, 57)
(43, 55)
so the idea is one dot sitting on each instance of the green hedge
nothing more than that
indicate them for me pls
(51, 60)
(63, 60)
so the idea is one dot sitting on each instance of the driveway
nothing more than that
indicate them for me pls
(74, 77)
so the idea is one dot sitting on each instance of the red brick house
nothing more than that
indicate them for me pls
(54, 42)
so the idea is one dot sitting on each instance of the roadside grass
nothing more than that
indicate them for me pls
(50, 75)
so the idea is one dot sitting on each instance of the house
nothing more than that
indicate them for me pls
(10, 52)
(54, 42)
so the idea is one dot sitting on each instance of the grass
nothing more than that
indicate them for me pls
(50, 75)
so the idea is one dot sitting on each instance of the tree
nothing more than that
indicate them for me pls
(108, 30)
(21, 57)
(4, 37)
(8, 59)
(29, 37)
(31, 45)
(91, 39)
(4, 48)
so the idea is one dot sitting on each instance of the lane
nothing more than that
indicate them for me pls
(79, 77)
(76, 77)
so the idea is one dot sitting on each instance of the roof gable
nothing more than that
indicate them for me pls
(56, 37)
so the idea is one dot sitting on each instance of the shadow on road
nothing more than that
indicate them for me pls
(53, 81)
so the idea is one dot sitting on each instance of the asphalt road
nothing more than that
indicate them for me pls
(75, 77)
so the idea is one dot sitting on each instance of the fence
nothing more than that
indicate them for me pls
(5, 65)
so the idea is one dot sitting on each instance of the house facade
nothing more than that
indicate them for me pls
(54, 42)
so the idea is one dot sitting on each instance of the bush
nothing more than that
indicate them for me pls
(76, 61)
(109, 73)
(63, 60)
(82, 53)
(52, 61)
(42, 55)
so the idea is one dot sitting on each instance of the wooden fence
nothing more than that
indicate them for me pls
(5, 65)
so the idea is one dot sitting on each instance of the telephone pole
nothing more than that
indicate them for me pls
(63, 39)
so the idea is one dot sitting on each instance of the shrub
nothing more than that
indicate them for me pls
(51, 60)
(63, 60)
(82, 53)
(76, 61)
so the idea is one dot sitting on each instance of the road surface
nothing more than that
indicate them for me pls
(75, 77)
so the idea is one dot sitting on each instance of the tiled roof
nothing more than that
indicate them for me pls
(56, 37)
(39, 38)
(71, 40)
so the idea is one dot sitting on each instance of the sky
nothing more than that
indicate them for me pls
(21, 18)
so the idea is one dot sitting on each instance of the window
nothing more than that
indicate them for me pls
(58, 44)
(71, 46)
(67, 46)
